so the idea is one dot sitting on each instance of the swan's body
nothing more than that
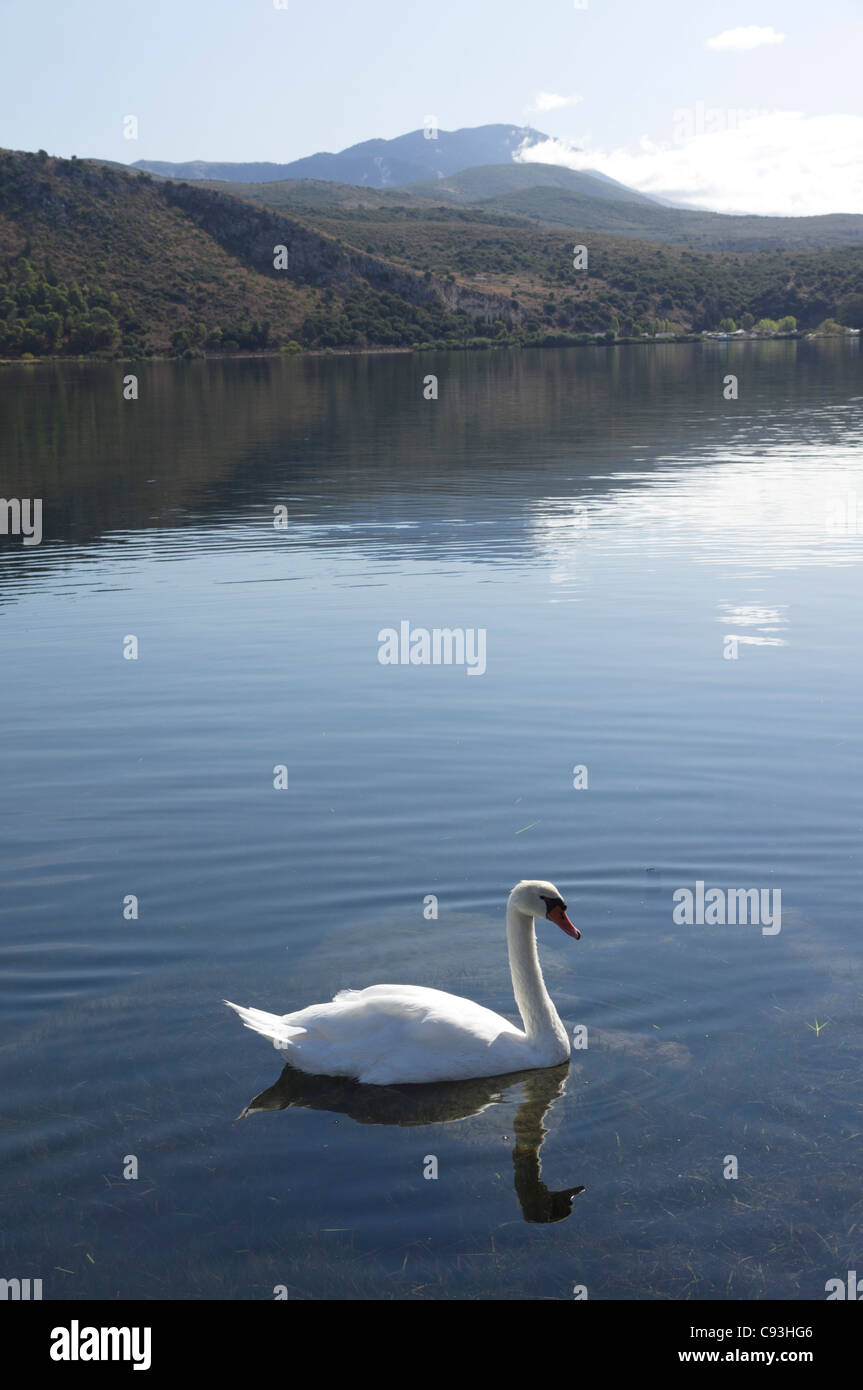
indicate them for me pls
(390, 1034)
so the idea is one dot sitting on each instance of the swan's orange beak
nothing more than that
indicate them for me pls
(560, 919)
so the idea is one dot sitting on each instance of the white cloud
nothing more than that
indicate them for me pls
(781, 163)
(747, 36)
(550, 101)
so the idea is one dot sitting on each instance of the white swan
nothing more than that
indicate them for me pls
(389, 1034)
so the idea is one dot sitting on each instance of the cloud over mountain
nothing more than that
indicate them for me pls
(780, 163)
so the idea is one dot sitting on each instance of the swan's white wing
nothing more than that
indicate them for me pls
(392, 1033)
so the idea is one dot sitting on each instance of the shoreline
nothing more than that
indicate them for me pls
(599, 342)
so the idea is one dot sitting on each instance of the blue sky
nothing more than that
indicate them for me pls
(779, 125)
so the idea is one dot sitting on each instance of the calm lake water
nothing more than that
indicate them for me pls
(614, 524)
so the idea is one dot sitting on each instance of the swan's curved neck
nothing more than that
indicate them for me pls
(540, 1017)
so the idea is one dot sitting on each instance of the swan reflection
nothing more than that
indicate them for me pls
(441, 1102)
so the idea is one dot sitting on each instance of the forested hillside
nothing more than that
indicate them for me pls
(97, 260)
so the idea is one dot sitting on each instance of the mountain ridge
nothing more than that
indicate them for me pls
(99, 259)
(375, 163)
(544, 195)
(485, 181)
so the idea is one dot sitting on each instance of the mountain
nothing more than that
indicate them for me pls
(97, 259)
(554, 198)
(505, 180)
(487, 184)
(623, 213)
(373, 163)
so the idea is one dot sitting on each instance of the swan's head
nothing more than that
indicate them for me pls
(536, 898)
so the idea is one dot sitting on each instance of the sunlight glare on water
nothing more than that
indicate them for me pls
(617, 529)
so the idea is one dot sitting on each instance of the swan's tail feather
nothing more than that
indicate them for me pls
(270, 1026)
